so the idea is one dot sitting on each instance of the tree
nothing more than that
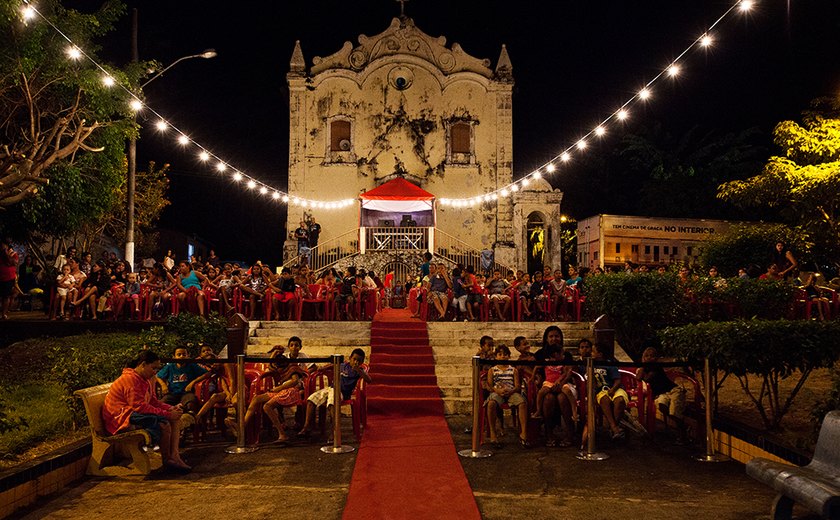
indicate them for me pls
(62, 161)
(748, 245)
(802, 183)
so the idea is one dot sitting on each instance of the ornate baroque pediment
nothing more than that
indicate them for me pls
(404, 38)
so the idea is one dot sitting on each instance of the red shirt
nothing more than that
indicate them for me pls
(8, 269)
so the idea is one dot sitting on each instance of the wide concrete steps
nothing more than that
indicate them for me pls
(453, 346)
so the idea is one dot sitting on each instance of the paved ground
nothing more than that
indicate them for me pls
(640, 481)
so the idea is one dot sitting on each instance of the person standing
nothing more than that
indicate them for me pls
(8, 277)
(314, 232)
(301, 234)
(784, 261)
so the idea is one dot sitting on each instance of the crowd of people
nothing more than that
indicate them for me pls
(167, 399)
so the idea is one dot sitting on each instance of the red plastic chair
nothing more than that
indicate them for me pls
(318, 297)
(640, 396)
(242, 303)
(358, 400)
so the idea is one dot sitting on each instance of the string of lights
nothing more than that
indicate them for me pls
(674, 68)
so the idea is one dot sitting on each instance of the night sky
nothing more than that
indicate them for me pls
(574, 62)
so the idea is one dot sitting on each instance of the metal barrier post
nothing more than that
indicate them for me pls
(336, 445)
(476, 452)
(710, 455)
(591, 452)
(240, 410)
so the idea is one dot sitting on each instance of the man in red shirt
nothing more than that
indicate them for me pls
(8, 277)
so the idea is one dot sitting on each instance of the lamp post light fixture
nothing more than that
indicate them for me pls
(132, 146)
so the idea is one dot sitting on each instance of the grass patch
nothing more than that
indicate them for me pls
(42, 407)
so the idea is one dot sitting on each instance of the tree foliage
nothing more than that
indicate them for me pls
(769, 350)
(803, 182)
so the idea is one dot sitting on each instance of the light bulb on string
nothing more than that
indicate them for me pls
(237, 176)
(514, 188)
(525, 182)
(220, 166)
(538, 175)
(28, 13)
(644, 93)
(285, 198)
(183, 140)
(204, 156)
(745, 5)
(108, 81)
(550, 169)
(136, 105)
(73, 53)
(599, 131)
(263, 190)
(706, 40)
(622, 115)
(252, 185)
(565, 157)
(275, 195)
(674, 70)
(161, 126)
(581, 145)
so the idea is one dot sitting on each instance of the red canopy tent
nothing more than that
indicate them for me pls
(396, 199)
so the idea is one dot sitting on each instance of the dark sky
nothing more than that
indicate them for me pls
(574, 62)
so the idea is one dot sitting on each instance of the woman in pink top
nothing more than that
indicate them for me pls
(131, 403)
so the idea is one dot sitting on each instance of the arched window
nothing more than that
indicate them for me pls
(340, 136)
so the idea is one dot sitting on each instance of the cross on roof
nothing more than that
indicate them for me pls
(402, 6)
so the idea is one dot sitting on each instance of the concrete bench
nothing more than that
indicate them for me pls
(109, 450)
(815, 486)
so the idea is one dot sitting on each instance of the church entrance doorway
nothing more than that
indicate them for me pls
(536, 238)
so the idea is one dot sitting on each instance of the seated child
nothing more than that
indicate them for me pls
(556, 377)
(351, 371)
(609, 395)
(570, 388)
(178, 380)
(219, 388)
(669, 396)
(504, 380)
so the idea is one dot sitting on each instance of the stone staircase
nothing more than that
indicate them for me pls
(453, 345)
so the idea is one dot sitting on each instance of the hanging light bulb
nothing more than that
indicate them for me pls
(745, 5)
(673, 70)
(644, 93)
(73, 52)
(162, 126)
(706, 40)
(514, 188)
(28, 13)
(220, 166)
(538, 175)
(252, 185)
(599, 131)
(275, 195)
(621, 115)
(108, 81)
(581, 144)
(136, 105)
(204, 156)
(550, 169)
(285, 198)
(526, 181)
(237, 176)
(183, 140)
(565, 157)
(263, 190)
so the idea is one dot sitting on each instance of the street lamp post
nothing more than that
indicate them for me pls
(132, 143)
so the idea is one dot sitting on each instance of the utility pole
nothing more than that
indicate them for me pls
(132, 161)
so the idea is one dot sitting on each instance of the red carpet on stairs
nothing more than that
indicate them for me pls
(407, 466)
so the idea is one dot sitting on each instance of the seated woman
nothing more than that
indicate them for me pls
(131, 403)
(94, 287)
(159, 285)
(189, 281)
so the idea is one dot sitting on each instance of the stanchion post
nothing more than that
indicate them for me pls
(240, 410)
(336, 445)
(591, 452)
(710, 455)
(475, 451)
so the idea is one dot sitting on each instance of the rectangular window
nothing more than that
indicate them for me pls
(595, 255)
(634, 248)
(655, 253)
(675, 251)
(647, 250)
(459, 138)
(340, 136)
(665, 250)
(618, 247)
(688, 250)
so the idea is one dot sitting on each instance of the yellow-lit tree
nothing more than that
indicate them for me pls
(803, 182)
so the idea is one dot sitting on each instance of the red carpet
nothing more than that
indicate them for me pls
(407, 466)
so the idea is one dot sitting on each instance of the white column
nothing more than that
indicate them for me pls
(362, 240)
(432, 240)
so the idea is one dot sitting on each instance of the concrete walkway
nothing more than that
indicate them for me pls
(640, 481)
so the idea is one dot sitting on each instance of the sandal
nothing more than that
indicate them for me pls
(524, 444)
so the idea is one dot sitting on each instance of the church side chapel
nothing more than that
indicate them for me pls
(397, 124)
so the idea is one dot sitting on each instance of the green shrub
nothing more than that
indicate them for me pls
(40, 406)
(770, 350)
(10, 420)
(638, 305)
(748, 297)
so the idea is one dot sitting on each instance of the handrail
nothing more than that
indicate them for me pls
(330, 251)
(457, 251)
(397, 239)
